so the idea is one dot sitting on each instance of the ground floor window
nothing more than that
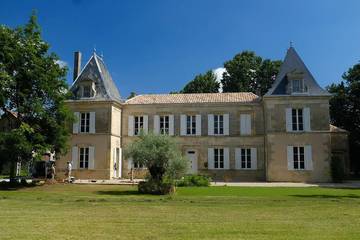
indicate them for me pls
(299, 158)
(84, 157)
(218, 158)
(246, 158)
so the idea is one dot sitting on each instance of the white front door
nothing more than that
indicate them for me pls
(192, 156)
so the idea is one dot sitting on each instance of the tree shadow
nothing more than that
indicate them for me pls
(13, 186)
(120, 193)
(326, 196)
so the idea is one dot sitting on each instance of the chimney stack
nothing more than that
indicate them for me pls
(77, 64)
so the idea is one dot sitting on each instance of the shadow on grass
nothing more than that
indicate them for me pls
(325, 196)
(12, 186)
(119, 193)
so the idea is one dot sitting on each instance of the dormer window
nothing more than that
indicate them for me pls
(297, 86)
(86, 91)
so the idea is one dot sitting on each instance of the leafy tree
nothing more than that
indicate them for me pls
(345, 110)
(132, 94)
(247, 72)
(34, 86)
(203, 83)
(160, 155)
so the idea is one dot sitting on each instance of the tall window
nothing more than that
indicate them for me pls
(218, 124)
(164, 124)
(138, 124)
(84, 157)
(191, 124)
(218, 158)
(299, 160)
(297, 119)
(245, 158)
(297, 86)
(85, 122)
(86, 91)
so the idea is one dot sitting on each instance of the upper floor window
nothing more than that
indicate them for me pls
(218, 124)
(298, 86)
(85, 122)
(164, 124)
(86, 91)
(138, 124)
(191, 124)
(297, 119)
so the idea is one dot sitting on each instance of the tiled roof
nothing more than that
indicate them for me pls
(240, 97)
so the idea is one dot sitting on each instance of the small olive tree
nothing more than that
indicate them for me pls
(160, 155)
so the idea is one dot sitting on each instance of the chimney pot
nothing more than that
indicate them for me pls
(77, 64)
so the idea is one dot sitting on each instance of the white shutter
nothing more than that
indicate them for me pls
(131, 125)
(306, 112)
(226, 158)
(253, 158)
(226, 124)
(210, 158)
(145, 124)
(198, 125)
(237, 158)
(290, 157)
(74, 157)
(245, 124)
(91, 157)
(120, 163)
(171, 125)
(182, 125)
(92, 122)
(130, 164)
(288, 119)
(76, 122)
(210, 124)
(308, 157)
(156, 124)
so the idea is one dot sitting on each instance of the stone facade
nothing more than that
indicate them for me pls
(283, 136)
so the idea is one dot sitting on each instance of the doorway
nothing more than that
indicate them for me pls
(193, 163)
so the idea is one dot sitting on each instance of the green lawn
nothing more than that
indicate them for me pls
(118, 212)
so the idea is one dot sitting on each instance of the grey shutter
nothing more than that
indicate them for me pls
(171, 125)
(242, 124)
(76, 122)
(198, 125)
(131, 125)
(91, 157)
(290, 157)
(288, 119)
(182, 125)
(74, 157)
(306, 112)
(253, 158)
(210, 124)
(92, 122)
(308, 157)
(145, 124)
(226, 158)
(248, 124)
(237, 158)
(157, 124)
(226, 124)
(210, 158)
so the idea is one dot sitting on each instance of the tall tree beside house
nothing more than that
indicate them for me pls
(247, 72)
(202, 83)
(33, 85)
(345, 111)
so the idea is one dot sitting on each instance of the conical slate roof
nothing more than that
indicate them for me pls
(96, 71)
(293, 63)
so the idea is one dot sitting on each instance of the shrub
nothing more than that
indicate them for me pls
(155, 187)
(337, 169)
(194, 181)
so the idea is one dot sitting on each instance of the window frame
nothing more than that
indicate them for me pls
(219, 158)
(245, 158)
(191, 125)
(299, 158)
(297, 120)
(84, 122)
(138, 125)
(219, 124)
(84, 157)
(164, 124)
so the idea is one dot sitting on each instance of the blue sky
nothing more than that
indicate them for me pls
(158, 46)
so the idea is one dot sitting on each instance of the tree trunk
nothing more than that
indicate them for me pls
(12, 171)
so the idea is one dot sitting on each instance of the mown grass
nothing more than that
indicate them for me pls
(119, 212)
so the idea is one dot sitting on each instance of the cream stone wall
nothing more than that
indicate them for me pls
(201, 143)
